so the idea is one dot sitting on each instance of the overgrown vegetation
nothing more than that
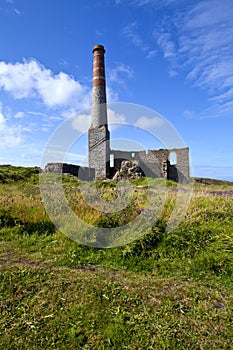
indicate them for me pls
(9, 174)
(162, 291)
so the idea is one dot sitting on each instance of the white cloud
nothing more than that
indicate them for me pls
(81, 122)
(155, 4)
(138, 37)
(131, 32)
(59, 90)
(77, 158)
(224, 96)
(10, 136)
(114, 117)
(148, 123)
(112, 95)
(118, 73)
(206, 48)
(2, 120)
(151, 54)
(150, 4)
(198, 39)
(209, 13)
(167, 45)
(19, 115)
(31, 79)
(17, 11)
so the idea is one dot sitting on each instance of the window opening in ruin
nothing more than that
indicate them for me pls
(111, 160)
(172, 158)
(146, 151)
(133, 155)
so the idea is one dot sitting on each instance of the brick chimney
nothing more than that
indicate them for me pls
(98, 134)
(99, 110)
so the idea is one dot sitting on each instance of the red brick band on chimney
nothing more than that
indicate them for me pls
(98, 66)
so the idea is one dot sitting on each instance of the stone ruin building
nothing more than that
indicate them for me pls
(151, 163)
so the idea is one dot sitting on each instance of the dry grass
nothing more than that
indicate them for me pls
(162, 291)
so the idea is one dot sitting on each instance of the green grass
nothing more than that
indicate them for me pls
(162, 291)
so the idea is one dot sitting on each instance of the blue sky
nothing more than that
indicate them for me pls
(172, 56)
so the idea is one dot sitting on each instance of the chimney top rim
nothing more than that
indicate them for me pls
(98, 47)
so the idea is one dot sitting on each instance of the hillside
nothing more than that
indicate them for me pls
(162, 291)
(207, 181)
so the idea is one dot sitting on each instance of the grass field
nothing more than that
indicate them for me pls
(163, 291)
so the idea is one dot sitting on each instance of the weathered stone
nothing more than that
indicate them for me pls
(156, 163)
(83, 173)
(128, 170)
(98, 139)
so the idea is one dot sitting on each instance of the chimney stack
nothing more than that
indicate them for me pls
(99, 110)
(98, 134)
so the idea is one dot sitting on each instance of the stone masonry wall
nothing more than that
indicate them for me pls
(156, 163)
(98, 139)
(83, 173)
(99, 107)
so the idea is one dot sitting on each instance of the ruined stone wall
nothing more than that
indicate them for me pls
(156, 163)
(182, 164)
(147, 161)
(152, 163)
(83, 173)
